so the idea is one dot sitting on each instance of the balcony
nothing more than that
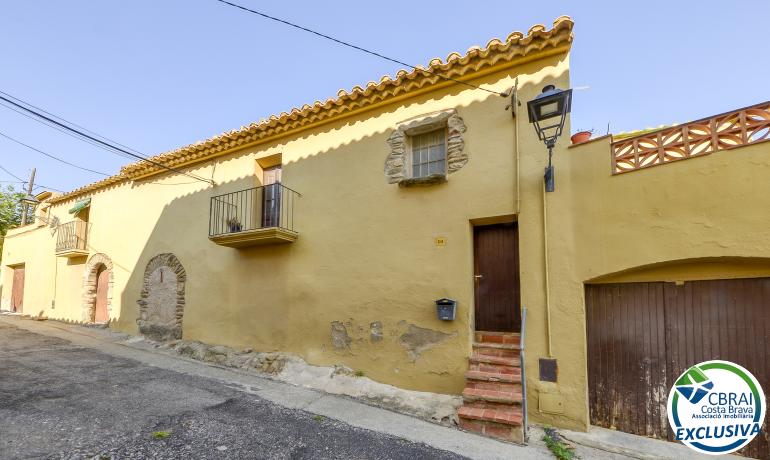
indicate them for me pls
(72, 239)
(255, 216)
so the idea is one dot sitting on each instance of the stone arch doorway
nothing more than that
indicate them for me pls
(98, 281)
(161, 303)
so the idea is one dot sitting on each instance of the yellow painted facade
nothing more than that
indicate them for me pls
(367, 250)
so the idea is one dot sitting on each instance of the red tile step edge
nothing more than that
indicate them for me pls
(495, 396)
(506, 416)
(502, 360)
(494, 376)
(497, 337)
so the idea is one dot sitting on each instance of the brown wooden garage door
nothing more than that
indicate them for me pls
(642, 336)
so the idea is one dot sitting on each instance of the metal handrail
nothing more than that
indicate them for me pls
(267, 206)
(522, 337)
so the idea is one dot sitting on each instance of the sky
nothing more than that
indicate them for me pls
(159, 74)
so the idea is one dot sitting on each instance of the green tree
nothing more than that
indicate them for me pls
(10, 212)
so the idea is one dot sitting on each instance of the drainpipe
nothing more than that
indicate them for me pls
(514, 104)
(545, 269)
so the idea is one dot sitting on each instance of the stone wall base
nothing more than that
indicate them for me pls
(433, 407)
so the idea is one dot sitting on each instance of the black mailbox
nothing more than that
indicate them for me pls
(446, 309)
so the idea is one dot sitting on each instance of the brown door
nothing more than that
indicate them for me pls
(496, 260)
(271, 206)
(17, 290)
(642, 336)
(102, 282)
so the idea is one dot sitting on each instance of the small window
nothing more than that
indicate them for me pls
(429, 153)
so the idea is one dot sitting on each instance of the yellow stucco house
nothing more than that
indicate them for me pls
(331, 231)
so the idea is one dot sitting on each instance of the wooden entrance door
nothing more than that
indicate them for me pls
(496, 261)
(17, 290)
(101, 315)
(271, 206)
(642, 336)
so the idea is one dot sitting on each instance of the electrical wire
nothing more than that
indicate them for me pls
(49, 188)
(113, 148)
(22, 181)
(50, 156)
(13, 175)
(69, 122)
(44, 123)
(350, 45)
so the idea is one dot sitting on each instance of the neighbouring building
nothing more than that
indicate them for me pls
(330, 231)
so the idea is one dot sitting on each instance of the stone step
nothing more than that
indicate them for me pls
(494, 368)
(511, 433)
(513, 338)
(514, 387)
(502, 360)
(514, 377)
(504, 350)
(509, 396)
(496, 346)
(504, 414)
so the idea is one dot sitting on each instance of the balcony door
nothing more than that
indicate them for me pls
(271, 197)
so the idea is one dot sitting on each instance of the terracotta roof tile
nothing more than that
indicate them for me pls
(515, 46)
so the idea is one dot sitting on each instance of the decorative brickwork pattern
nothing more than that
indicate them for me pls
(727, 131)
(93, 265)
(161, 303)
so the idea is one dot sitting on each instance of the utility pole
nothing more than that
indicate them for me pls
(25, 207)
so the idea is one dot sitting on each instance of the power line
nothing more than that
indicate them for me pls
(13, 175)
(69, 122)
(350, 45)
(49, 155)
(22, 181)
(50, 188)
(82, 135)
(57, 128)
(103, 143)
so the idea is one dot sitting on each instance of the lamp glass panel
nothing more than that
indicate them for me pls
(549, 110)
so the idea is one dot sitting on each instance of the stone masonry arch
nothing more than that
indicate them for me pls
(161, 302)
(90, 274)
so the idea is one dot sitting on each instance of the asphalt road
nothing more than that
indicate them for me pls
(59, 400)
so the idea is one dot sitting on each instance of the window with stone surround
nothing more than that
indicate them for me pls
(426, 149)
(428, 153)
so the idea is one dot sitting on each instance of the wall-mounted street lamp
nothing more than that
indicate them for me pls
(27, 201)
(547, 112)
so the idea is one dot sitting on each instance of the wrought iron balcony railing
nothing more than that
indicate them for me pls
(250, 211)
(72, 238)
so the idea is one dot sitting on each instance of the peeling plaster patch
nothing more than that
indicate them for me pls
(418, 339)
(375, 331)
(340, 338)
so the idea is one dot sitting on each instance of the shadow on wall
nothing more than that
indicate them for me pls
(358, 284)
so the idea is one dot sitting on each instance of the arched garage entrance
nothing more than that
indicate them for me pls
(643, 335)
